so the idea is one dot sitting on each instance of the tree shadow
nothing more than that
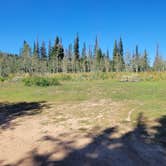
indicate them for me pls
(11, 111)
(160, 135)
(141, 129)
(130, 149)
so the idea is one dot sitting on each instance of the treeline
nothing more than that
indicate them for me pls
(55, 58)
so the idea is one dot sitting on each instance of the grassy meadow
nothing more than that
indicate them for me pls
(148, 95)
(49, 115)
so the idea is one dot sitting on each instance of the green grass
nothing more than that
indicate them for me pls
(147, 96)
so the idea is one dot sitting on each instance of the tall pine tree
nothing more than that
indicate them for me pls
(84, 51)
(49, 50)
(96, 47)
(43, 53)
(76, 48)
(121, 55)
(36, 50)
(145, 61)
(60, 51)
(115, 56)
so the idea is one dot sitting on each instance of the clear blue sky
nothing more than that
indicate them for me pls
(139, 22)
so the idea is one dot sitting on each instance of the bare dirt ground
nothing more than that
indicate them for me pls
(74, 134)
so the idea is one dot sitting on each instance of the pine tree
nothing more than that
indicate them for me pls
(84, 51)
(43, 52)
(121, 52)
(136, 52)
(69, 56)
(34, 50)
(90, 60)
(70, 52)
(145, 61)
(96, 47)
(107, 61)
(60, 52)
(26, 50)
(26, 57)
(99, 55)
(76, 48)
(84, 58)
(115, 56)
(136, 60)
(35, 59)
(108, 54)
(37, 49)
(57, 41)
(49, 50)
(159, 64)
(55, 48)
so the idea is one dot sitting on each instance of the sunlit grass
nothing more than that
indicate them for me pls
(146, 96)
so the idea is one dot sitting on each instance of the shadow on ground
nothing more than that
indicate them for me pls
(160, 135)
(134, 148)
(11, 111)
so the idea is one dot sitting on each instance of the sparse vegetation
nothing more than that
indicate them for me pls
(147, 95)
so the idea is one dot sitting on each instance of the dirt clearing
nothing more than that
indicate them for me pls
(86, 133)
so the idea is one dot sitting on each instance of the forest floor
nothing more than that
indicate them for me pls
(108, 123)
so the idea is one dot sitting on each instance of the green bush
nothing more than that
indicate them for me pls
(41, 81)
(2, 79)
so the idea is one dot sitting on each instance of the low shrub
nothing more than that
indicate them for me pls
(40, 81)
(2, 79)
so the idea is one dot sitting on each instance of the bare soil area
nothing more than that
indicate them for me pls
(74, 134)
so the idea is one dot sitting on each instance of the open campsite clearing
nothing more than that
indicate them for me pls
(99, 122)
